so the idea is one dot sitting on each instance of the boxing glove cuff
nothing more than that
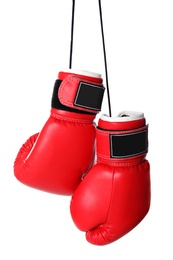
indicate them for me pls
(78, 93)
(83, 95)
(127, 142)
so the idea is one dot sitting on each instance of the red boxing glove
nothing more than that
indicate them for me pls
(115, 195)
(55, 159)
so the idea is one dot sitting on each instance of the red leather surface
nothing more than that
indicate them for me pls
(62, 75)
(126, 125)
(113, 197)
(56, 159)
(111, 201)
(61, 154)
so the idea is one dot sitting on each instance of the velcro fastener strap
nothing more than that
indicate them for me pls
(89, 96)
(81, 94)
(128, 145)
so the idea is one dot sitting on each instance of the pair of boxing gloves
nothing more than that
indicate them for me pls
(110, 195)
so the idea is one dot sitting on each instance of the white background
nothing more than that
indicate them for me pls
(34, 46)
